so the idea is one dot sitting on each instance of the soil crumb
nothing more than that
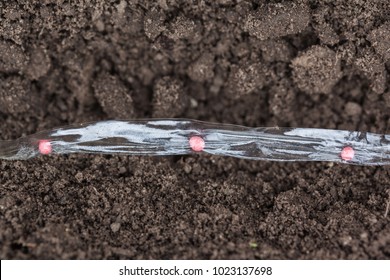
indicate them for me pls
(276, 20)
(316, 70)
(113, 96)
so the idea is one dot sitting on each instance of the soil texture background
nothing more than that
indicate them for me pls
(313, 63)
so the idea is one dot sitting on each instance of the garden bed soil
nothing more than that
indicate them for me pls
(284, 63)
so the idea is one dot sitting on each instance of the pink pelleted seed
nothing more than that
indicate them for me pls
(196, 143)
(45, 147)
(347, 153)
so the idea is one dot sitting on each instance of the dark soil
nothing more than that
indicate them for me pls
(287, 63)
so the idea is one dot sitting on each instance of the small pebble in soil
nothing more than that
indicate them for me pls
(353, 109)
(115, 227)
